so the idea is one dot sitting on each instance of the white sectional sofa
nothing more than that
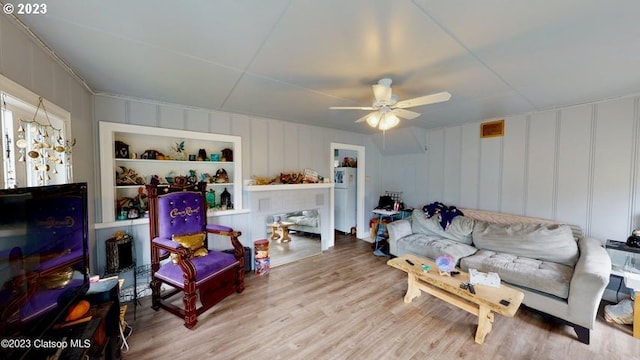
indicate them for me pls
(561, 273)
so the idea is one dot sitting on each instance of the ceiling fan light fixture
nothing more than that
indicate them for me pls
(373, 119)
(388, 121)
(381, 93)
(387, 109)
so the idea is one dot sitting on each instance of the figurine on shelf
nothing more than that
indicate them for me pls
(211, 198)
(127, 176)
(222, 176)
(177, 151)
(152, 155)
(202, 155)
(192, 178)
(141, 200)
(154, 180)
(225, 200)
(227, 154)
(180, 180)
(122, 150)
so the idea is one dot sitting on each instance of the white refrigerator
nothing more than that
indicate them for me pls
(345, 198)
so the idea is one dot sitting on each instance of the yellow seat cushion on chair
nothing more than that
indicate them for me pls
(193, 242)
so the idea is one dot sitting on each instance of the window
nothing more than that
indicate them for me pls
(35, 146)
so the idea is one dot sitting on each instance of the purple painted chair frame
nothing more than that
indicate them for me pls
(182, 210)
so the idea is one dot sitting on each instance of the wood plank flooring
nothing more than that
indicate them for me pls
(348, 304)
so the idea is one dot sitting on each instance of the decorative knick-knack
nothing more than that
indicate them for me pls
(225, 199)
(227, 154)
(211, 198)
(202, 155)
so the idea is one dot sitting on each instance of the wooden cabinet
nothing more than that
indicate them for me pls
(131, 155)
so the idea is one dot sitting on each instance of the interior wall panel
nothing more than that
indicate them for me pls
(578, 164)
(514, 165)
(490, 175)
(61, 88)
(414, 189)
(259, 148)
(241, 126)
(574, 149)
(42, 74)
(635, 191)
(219, 122)
(196, 120)
(171, 117)
(111, 109)
(451, 171)
(16, 53)
(435, 158)
(291, 161)
(419, 195)
(470, 165)
(141, 113)
(305, 146)
(276, 148)
(541, 165)
(319, 145)
(612, 169)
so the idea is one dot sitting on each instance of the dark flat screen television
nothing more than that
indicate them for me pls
(43, 260)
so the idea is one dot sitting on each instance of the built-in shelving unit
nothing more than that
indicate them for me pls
(139, 140)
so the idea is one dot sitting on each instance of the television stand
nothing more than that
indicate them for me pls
(92, 339)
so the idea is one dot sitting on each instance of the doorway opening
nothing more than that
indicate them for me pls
(355, 159)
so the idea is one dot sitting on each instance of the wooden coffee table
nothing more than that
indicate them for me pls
(482, 304)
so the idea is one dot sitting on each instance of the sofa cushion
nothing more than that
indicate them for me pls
(432, 246)
(549, 242)
(544, 276)
(459, 230)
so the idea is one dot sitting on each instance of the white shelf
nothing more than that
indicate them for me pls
(252, 188)
(143, 138)
(180, 162)
(142, 221)
(139, 185)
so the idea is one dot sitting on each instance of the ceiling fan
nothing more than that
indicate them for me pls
(386, 109)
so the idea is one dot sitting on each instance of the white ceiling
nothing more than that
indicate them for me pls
(292, 59)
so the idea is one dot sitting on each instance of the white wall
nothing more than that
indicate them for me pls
(268, 148)
(577, 164)
(26, 62)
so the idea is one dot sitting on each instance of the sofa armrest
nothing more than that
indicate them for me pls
(397, 230)
(590, 278)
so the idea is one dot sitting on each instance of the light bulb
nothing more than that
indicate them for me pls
(373, 119)
(390, 120)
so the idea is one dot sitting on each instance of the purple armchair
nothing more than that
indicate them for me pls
(177, 212)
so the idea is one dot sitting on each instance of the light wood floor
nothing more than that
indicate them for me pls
(347, 304)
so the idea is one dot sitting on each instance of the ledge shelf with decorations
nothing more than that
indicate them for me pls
(133, 155)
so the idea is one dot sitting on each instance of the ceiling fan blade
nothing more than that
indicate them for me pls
(381, 92)
(362, 119)
(352, 108)
(424, 100)
(405, 114)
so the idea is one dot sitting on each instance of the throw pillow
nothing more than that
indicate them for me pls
(193, 242)
(420, 224)
(459, 230)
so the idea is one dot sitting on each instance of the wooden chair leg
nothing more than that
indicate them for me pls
(190, 302)
(155, 294)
